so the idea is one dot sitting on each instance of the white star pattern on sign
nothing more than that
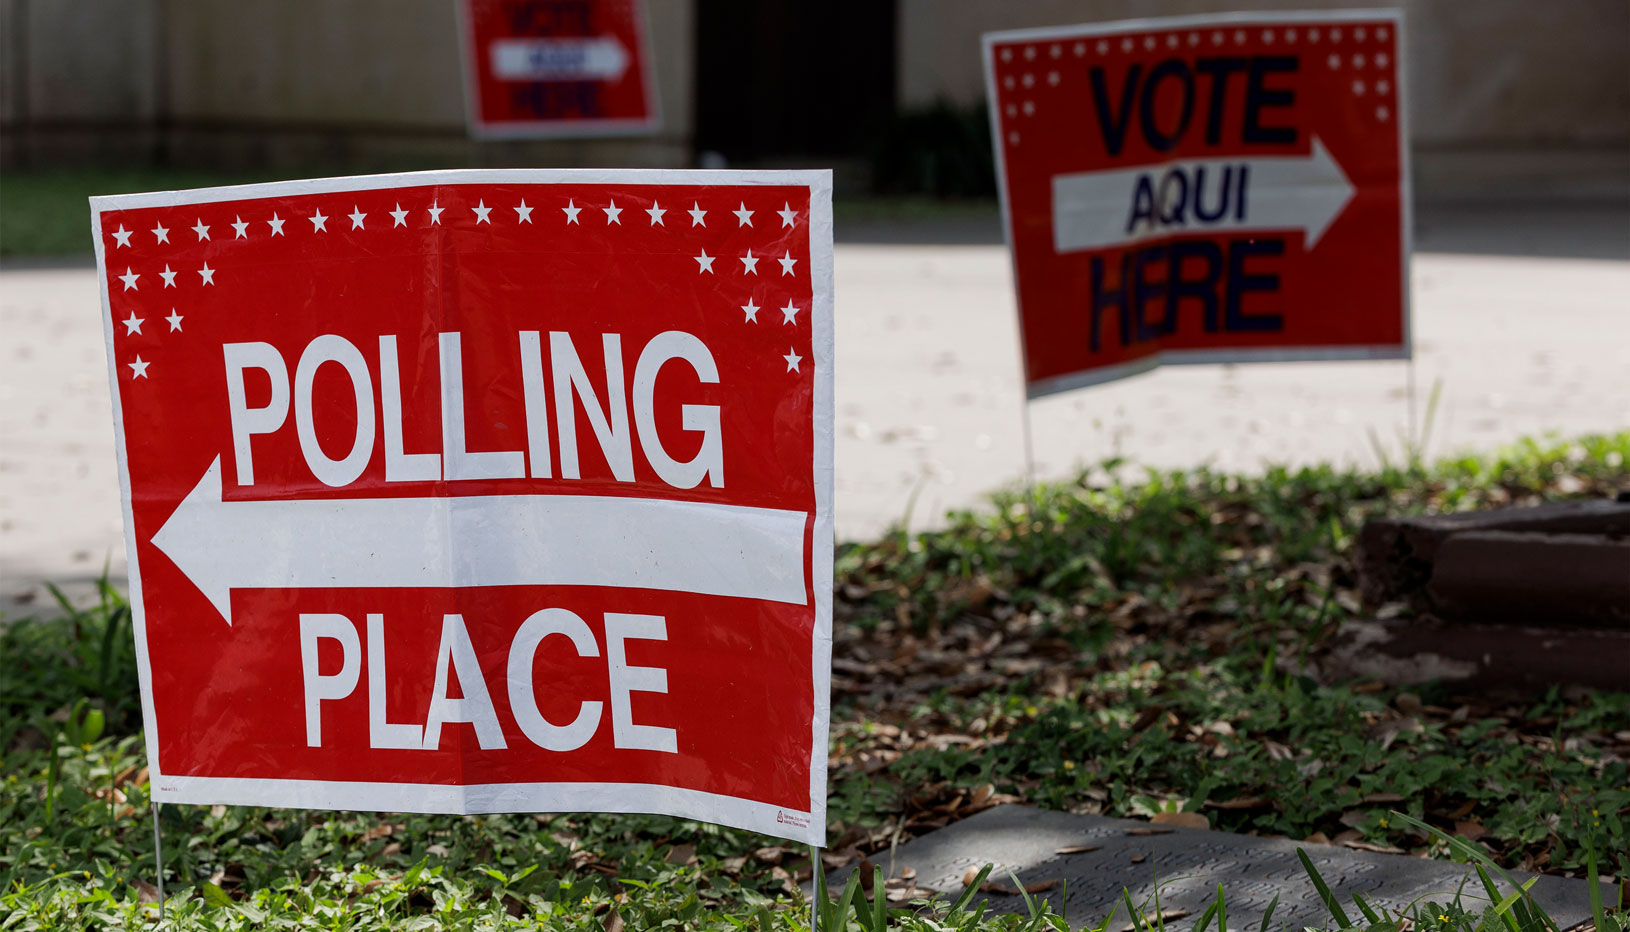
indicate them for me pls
(793, 359)
(207, 275)
(787, 262)
(122, 235)
(749, 264)
(704, 262)
(168, 276)
(751, 310)
(138, 368)
(317, 220)
(240, 228)
(744, 217)
(696, 215)
(276, 223)
(656, 214)
(162, 233)
(571, 212)
(201, 230)
(788, 215)
(129, 278)
(435, 214)
(175, 320)
(132, 323)
(481, 211)
(523, 213)
(612, 213)
(789, 314)
(357, 216)
(398, 216)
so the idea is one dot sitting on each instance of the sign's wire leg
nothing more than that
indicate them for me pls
(1029, 465)
(1415, 439)
(819, 899)
(158, 860)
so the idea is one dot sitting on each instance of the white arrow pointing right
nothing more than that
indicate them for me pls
(1097, 210)
(482, 540)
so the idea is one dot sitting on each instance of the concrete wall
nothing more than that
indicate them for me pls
(1531, 91)
(281, 82)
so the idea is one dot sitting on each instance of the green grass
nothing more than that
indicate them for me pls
(45, 212)
(1123, 645)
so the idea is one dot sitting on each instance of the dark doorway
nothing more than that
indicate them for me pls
(780, 79)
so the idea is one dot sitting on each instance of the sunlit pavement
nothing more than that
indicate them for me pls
(1522, 316)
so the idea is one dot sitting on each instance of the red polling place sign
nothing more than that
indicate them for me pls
(478, 491)
(557, 68)
(1224, 188)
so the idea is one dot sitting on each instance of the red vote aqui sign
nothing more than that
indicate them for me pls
(557, 68)
(480, 491)
(1221, 188)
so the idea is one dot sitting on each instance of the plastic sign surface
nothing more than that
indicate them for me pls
(1206, 189)
(557, 68)
(481, 491)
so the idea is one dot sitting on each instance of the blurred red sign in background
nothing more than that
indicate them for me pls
(557, 68)
(1203, 189)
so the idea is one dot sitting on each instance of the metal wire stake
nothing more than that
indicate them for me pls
(819, 899)
(158, 860)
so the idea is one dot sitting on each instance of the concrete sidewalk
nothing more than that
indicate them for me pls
(1522, 316)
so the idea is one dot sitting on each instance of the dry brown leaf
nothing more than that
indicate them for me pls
(1317, 838)
(1383, 798)
(788, 885)
(146, 892)
(1367, 846)
(613, 922)
(1139, 858)
(867, 875)
(1241, 802)
(1181, 819)
(1076, 849)
(771, 854)
(1148, 831)
(1471, 831)
(982, 795)
(681, 854)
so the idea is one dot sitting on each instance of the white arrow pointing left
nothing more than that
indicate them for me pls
(1097, 210)
(482, 540)
(599, 59)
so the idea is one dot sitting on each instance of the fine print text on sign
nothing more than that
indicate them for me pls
(557, 68)
(1204, 189)
(481, 491)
